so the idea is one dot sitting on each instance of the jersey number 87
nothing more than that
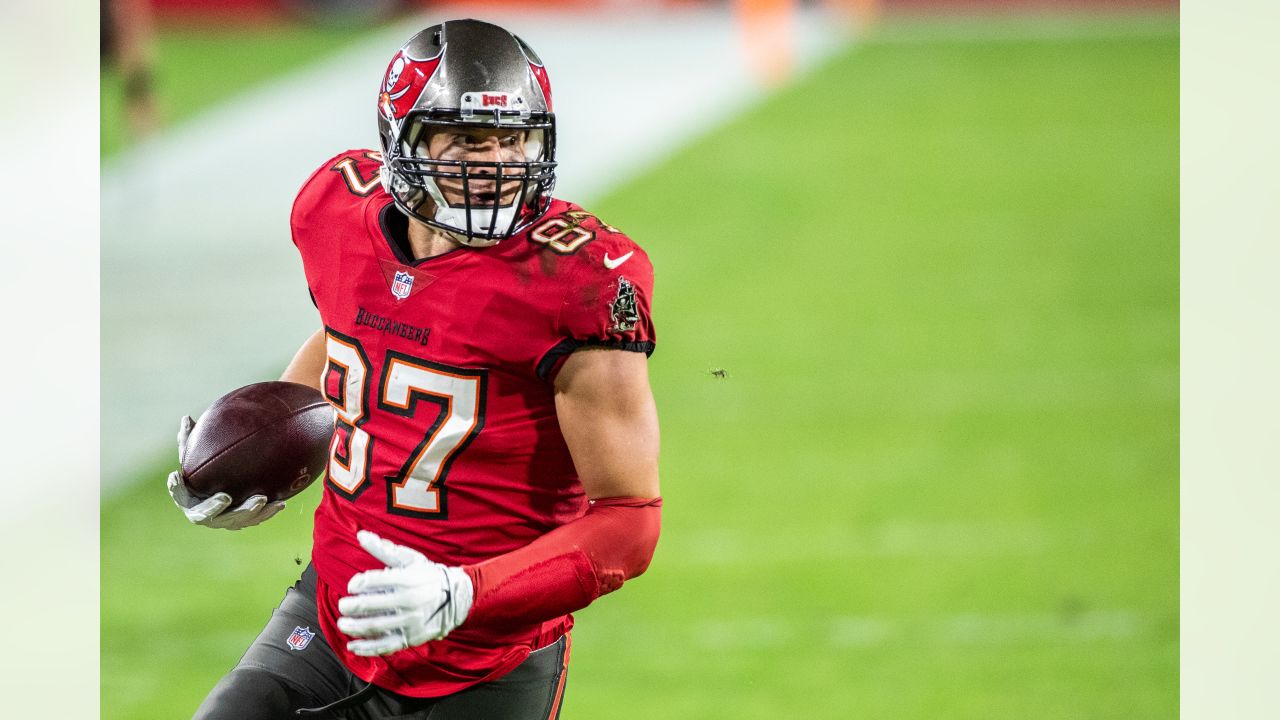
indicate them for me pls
(443, 404)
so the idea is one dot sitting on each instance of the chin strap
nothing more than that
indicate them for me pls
(569, 567)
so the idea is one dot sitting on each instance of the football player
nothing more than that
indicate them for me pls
(494, 465)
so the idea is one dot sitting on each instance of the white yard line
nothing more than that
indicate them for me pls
(725, 547)
(857, 632)
(201, 288)
(847, 631)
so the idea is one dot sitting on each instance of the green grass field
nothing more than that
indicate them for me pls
(940, 479)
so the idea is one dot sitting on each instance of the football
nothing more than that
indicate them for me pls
(268, 438)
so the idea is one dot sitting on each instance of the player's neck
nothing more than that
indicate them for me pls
(426, 241)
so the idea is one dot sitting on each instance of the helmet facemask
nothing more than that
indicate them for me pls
(435, 174)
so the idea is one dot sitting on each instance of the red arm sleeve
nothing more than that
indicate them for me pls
(569, 567)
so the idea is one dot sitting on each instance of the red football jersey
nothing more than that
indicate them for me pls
(441, 373)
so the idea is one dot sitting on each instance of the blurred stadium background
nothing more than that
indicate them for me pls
(932, 245)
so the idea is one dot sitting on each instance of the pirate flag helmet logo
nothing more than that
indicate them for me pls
(404, 82)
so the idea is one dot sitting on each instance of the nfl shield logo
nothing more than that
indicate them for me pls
(402, 285)
(300, 638)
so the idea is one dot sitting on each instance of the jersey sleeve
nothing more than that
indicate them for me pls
(608, 301)
(324, 209)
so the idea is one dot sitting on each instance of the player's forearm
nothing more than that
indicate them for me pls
(308, 363)
(569, 567)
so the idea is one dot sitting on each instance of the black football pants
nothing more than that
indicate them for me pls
(273, 681)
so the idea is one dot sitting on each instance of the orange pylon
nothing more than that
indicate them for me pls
(768, 37)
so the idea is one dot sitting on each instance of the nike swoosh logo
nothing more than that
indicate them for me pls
(613, 264)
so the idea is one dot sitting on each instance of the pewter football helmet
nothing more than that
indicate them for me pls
(467, 74)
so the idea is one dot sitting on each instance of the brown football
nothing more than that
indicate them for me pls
(268, 438)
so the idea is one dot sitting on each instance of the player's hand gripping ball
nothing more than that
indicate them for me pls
(256, 446)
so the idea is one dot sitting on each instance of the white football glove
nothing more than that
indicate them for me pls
(212, 511)
(411, 601)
